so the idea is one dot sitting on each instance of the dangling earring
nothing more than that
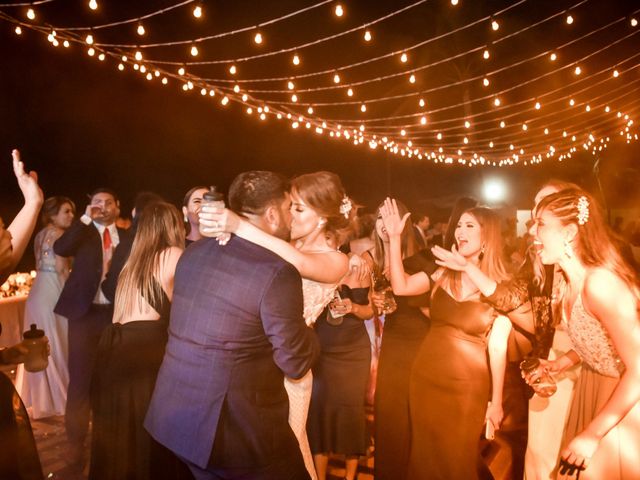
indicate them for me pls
(186, 220)
(481, 256)
(568, 251)
(321, 223)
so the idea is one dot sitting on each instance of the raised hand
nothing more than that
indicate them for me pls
(28, 182)
(393, 224)
(215, 221)
(449, 259)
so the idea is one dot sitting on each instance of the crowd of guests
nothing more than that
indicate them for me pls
(245, 342)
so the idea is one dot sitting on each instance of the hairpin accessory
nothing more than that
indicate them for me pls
(346, 206)
(583, 210)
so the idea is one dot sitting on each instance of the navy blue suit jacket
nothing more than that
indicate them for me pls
(82, 242)
(236, 329)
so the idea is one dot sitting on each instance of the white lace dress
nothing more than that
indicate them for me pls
(316, 297)
(45, 393)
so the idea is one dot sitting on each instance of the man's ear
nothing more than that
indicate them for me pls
(271, 217)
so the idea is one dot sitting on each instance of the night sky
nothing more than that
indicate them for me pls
(82, 124)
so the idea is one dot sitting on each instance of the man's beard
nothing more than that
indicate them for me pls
(283, 232)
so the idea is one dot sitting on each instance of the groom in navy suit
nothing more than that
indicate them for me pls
(236, 330)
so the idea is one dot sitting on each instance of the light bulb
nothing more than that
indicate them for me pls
(412, 79)
(181, 71)
(296, 60)
(101, 57)
(537, 105)
(66, 44)
(569, 19)
(496, 102)
(495, 25)
(404, 58)
(233, 69)
(194, 51)
(578, 71)
(421, 102)
(197, 11)
(138, 55)
(120, 67)
(403, 132)
(141, 31)
(236, 88)
(339, 11)
(439, 136)
(91, 52)
(454, 2)
(225, 100)
(363, 108)
(336, 78)
(616, 73)
(553, 57)
(93, 5)
(18, 30)
(290, 85)
(294, 98)
(485, 82)
(502, 124)
(367, 36)
(524, 127)
(423, 120)
(258, 38)
(31, 14)
(467, 124)
(310, 110)
(634, 22)
(350, 92)
(89, 39)
(486, 54)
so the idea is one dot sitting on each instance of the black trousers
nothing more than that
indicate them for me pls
(84, 334)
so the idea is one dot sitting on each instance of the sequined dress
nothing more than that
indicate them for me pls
(316, 297)
(617, 454)
(45, 392)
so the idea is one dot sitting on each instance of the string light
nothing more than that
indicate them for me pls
(66, 44)
(233, 70)
(339, 11)
(336, 78)
(495, 25)
(290, 85)
(18, 30)
(454, 2)
(412, 79)
(140, 30)
(367, 36)
(89, 39)
(194, 51)
(138, 56)
(350, 92)
(258, 38)
(31, 14)
(616, 73)
(296, 60)
(486, 54)
(404, 58)
(537, 106)
(577, 71)
(496, 102)
(423, 120)
(363, 108)
(634, 22)
(569, 19)
(485, 82)
(294, 98)
(553, 57)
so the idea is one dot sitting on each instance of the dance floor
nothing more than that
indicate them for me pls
(53, 448)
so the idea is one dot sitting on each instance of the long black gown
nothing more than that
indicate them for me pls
(337, 422)
(127, 363)
(449, 391)
(403, 333)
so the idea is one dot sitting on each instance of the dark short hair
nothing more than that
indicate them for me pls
(105, 190)
(252, 192)
(145, 198)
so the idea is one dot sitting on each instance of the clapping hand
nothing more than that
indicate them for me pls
(449, 259)
(393, 224)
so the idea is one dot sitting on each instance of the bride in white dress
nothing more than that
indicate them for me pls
(45, 393)
(320, 214)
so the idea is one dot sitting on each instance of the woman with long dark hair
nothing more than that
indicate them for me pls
(45, 392)
(131, 351)
(451, 380)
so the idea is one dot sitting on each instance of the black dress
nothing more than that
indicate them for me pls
(336, 422)
(449, 390)
(127, 363)
(403, 333)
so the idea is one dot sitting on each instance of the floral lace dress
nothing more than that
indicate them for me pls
(617, 455)
(316, 297)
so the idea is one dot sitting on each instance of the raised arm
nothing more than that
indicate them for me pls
(615, 306)
(325, 267)
(401, 282)
(25, 221)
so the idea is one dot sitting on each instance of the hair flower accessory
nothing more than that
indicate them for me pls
(583, 210)
(346, 206)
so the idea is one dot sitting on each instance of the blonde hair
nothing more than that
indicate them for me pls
(159, 228)
(491, 259)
